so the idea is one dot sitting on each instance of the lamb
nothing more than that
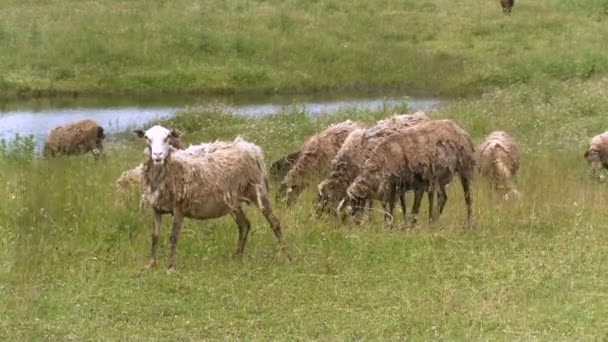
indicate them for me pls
(74, 138)
(203, 187)
(281, 166)
(597, 154)
(507, 5)
(356, 149)
(423, 158)
(314, 158)
(497, 159)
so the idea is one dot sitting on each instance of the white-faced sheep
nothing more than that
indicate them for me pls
(597, 154)
(498, 161)
(208, 186)
(423, 158)
(74, 138)
(132, 177)
(315, 157)
(355, 150)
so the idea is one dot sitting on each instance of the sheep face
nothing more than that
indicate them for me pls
(351, 206)
(158, 139)
(322, 200)
(328, 197)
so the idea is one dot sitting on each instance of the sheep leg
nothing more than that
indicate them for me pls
(442, 197)
(178, 218)
(274, 222)
(243, 224)
(466, 187)
(158, 219)
(416, 206)
(431, 194)
(403, 204)
(389, 206)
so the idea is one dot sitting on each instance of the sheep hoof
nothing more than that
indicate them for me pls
(150, 264)
(170, 270)
(283, 254)
(237, 255)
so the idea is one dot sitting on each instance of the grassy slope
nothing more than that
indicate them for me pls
(71, 247)
(71, 257)
(223, 46)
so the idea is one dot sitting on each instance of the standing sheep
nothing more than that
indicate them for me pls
(315, 157)
(203, 187)
(356, 149)
(597, 154)
(498, 161)
(74, 138)
(423, 158)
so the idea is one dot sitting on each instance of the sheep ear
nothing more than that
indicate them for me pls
(176, 133)
(138, 133)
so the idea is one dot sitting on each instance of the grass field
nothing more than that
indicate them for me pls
(438, 46)
(72, 247)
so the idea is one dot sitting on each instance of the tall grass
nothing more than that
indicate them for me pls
(435, 46)
(71, 247)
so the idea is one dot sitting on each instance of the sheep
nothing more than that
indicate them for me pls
(353, 154)
(507, 5)
(281, 166)
(423, 158)
(203, 187)
(314, 158)
(74, 138)
(497, 159)
(597, 154)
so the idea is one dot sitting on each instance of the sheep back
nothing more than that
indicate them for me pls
(207, 186)
(74, 138)
(358, 147)
(597, 150)
(498, 157)
(318, 151)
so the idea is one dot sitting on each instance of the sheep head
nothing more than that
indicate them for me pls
(158, 140)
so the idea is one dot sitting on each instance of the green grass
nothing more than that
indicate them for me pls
(217, 46)
(72, 248)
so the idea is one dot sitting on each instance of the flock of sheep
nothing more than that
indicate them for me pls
(357, 164)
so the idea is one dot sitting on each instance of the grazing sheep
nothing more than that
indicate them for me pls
(203, 187)
(497, 159)
(597, 154)
(423, 158)
(356, 149)
(280, 167)
(315, 157)
(507, 5)
(74, 138)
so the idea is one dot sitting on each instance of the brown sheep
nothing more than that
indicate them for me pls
(597, 154)
(203, 187)
(74, 138)
(498, 160)
(423, 158)
(507, 5)
(315, 157)
(281, 166)
(356, 149)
